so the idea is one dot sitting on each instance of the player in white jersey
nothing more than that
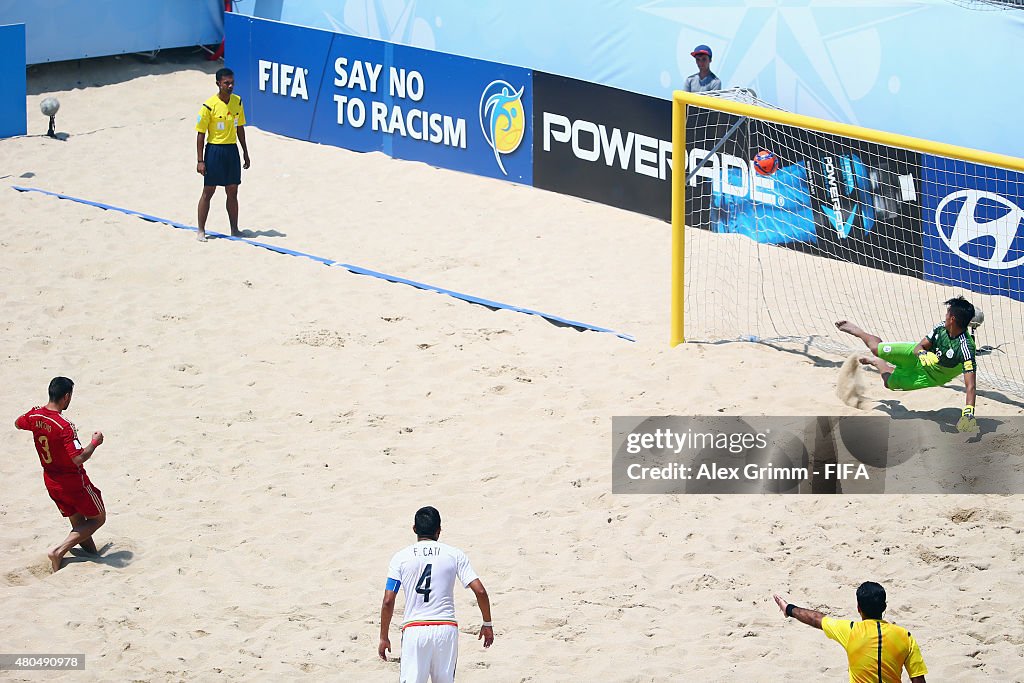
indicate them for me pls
(426, 571)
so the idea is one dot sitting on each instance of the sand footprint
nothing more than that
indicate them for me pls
(32, 571)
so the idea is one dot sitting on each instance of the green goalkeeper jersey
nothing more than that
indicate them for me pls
(955, 355)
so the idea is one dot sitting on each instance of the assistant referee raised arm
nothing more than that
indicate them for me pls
(222, 120)
(877, 651)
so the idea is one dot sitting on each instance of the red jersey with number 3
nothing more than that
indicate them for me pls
(56, 441)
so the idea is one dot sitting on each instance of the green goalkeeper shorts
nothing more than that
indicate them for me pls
(909, 373)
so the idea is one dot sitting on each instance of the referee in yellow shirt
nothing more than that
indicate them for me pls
(876, 650)
(222, 119)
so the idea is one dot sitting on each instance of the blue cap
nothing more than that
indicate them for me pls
(701, 50)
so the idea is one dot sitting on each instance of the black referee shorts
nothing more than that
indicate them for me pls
(223, 166)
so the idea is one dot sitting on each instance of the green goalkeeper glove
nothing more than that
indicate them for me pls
(927, 358)
(967, 423)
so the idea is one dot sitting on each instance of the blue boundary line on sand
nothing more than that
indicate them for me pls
(358, 270)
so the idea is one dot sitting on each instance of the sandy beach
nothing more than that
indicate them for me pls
(272, 424)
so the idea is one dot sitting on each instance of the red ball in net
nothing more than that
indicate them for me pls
(766, 163)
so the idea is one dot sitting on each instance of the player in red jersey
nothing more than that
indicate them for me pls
(61, 456)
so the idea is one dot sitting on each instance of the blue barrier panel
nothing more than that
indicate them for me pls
(973, 221)
(286, 66)
(355, 74)
(59, 30)
(12, 81)
(366, 95)
(479, 113)
(237, 53)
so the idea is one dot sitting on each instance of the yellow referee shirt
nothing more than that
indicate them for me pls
(219, 120)
(876, 650)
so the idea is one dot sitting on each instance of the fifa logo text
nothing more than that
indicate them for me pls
(284, 79)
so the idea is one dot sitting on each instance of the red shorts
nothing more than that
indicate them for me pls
(75, 495)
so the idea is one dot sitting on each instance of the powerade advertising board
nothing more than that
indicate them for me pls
(367, 95)
(973, 223)
(836, 198)
(602, 144)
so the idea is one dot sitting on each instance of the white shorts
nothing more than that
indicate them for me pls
(429, 651)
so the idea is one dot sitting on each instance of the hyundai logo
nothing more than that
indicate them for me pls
(967, 228)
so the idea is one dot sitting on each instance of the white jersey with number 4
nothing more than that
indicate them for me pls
(426, 572)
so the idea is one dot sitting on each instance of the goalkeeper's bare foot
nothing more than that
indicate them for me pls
(877, 363)
(870, 340)
(884, 369)
(849, 328)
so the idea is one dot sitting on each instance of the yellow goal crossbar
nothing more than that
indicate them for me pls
(681, 99)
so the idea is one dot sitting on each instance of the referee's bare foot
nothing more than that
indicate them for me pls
(235, 232)
(201, 236)
(55, 559)
(849, 328)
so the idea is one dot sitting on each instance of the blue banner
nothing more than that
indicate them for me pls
(885, 64)
(367, 95)
(12, 81)
(353, 78)
(478, 113)
(973, 222)
(282, 76)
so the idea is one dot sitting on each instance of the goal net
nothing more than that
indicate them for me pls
(854, 224)
(990, 4)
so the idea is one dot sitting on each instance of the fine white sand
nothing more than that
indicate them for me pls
(272, 424)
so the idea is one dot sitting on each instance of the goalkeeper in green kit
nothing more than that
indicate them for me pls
(933, 361)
